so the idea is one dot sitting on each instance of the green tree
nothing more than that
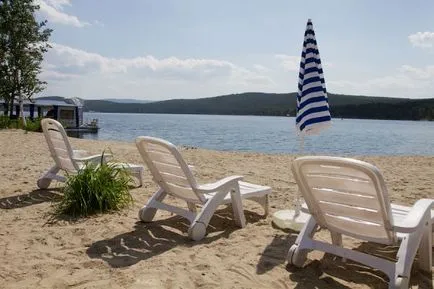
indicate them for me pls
(23, 42)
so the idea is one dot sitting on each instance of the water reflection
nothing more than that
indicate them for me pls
(81, 134)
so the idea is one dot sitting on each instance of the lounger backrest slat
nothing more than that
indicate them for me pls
(171, 169)
(164, 158)
(346, 196)
(168, 168)
(58, 144)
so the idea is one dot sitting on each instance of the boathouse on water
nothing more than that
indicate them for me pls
(69, 111)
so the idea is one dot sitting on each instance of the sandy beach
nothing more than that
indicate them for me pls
(117, 251)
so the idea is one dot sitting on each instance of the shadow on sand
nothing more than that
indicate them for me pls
(325, 273)
(151, 239)
(275, 252)
(32, 198)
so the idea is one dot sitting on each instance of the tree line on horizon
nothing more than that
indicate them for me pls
(274, 104)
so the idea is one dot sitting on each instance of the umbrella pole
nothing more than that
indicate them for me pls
(301, 152)
(293, 218)
(297, 203)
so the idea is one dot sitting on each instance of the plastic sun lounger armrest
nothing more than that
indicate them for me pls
(419, 213)
(80, 153)
(304, 208)
(219, 185)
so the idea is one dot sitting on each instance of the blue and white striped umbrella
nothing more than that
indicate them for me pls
(313, 113)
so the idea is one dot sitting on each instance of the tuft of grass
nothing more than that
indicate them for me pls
(96, 188)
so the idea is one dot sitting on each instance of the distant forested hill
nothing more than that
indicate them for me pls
(420, 109)
(275, 104)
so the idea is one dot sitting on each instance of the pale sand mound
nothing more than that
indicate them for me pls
(117, 251)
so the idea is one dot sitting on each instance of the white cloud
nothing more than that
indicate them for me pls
(58, 4)
(422, 39)
(94, 62)
(88, 74)
(260, 68)
(53, 10)
(408, 82)
(98, 23)
(71, 71)
(247, 77)
(426, 73)
(292, 63)
(52, 75)
(289, 62)
(48, 66)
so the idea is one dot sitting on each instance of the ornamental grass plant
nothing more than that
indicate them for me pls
(96, 188)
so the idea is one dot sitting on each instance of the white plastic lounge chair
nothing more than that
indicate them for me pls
(349, 197)
(70, 160)
(173, 175)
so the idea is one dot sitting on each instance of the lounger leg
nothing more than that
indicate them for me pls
(141, 179)
(297, 254)
(308, 231)
(45, 181)
(425, 248)
(337, 241)
(147, 213)
(406, 253)
(266, 204)
(237, 207)
(139, 175)
(263, 201)
(197, 228)
(191, 207)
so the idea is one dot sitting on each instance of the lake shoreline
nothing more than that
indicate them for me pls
(259, 115)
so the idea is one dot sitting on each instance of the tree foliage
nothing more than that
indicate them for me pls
(23, 42)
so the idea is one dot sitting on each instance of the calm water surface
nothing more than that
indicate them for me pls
(270, 134)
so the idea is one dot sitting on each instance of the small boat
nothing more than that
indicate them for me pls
(91, 127)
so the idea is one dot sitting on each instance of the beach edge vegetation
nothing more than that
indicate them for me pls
(33, 125)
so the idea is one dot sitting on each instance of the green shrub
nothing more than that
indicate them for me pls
(4, 121)
(96, 188)
(34, 125)
(15, 123)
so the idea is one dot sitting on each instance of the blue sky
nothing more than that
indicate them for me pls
(165, 49)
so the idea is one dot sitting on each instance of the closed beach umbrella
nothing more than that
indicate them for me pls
(313, 113)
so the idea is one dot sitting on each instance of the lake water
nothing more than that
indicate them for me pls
(270, 134)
